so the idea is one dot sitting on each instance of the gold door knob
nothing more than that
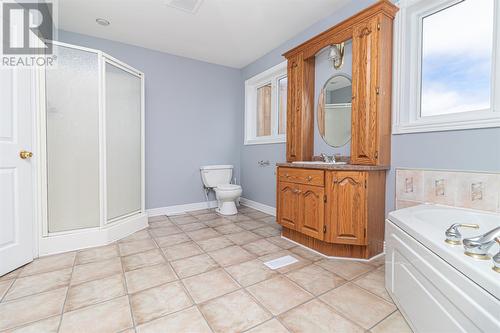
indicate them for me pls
(25, 154)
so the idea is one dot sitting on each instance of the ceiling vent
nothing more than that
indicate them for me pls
(190, 6)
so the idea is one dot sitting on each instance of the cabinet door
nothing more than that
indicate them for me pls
(293, 109)
(288, 205)
(348, 208)
(312, 210)
(365, 92)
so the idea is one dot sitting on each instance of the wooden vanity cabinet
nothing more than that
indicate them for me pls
(341, 214)
(340, 211)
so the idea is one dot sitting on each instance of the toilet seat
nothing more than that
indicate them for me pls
(228, 187)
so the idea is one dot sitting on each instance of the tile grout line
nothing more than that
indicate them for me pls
(184, 288)
(2, 300)
(124, 282)
(67, 293)
(378, 322)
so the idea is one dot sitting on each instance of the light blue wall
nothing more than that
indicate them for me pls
(192, 118)
(461, 150)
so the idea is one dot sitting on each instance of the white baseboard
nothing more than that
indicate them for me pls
(179, 209)
(258, 206)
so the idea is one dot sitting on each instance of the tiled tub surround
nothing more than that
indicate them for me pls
(475, 190)
(198, 272)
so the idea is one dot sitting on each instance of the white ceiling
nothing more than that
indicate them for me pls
(226, 32)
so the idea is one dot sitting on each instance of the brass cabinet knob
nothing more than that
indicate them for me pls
(309, 178)
(25, 154)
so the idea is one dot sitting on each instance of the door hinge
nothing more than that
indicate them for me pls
(365, 183)
(377, 90)
(324, 229)
(376, 154)
(378, 26)
(324, 198)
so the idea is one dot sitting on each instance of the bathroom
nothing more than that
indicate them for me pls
(173, 253)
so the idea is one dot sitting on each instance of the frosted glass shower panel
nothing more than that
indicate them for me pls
(72, 96)
(123, 142)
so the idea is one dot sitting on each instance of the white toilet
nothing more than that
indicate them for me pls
(218, 178)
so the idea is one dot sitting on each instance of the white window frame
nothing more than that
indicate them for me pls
(270, 76)
(407, 74)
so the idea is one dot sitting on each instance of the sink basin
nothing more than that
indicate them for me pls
(319, 162)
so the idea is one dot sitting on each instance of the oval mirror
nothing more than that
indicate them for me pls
(334, 110)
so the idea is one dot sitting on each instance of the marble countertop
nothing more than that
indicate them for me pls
(346, 167)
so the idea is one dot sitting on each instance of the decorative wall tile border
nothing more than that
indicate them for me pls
(475, 190)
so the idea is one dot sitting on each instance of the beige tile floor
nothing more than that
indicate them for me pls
(198, 272)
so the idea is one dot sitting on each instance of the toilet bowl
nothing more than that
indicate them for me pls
(227, 194)
(218, 178)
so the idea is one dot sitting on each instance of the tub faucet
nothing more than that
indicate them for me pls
(328, 159)
(478, 247)
(496, 258)
(453, 235)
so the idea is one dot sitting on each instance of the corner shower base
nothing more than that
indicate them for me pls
(76, 240)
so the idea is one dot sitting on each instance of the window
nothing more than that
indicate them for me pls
(446, 65)
(265, 106)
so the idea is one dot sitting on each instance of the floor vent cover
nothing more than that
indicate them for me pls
(280, 262)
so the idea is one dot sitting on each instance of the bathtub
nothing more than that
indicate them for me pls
(435, 285)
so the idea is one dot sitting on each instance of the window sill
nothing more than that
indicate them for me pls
(422, 127)
(265, 140)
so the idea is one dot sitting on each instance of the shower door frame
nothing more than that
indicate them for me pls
(107, 231)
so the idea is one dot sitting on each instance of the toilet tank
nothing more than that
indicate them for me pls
(213, 175)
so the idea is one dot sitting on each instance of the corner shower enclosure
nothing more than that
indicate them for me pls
(91, 139)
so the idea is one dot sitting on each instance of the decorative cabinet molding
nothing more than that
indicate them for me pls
(300, 108)
(288, 203)
(312, 210)
(371, 108)
(347, 213)
(365, 88)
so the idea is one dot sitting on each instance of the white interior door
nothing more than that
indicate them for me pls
(16, 173)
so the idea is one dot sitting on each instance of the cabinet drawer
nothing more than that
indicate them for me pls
(302, 176)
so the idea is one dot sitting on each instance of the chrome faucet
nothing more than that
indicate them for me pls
(328, 159)
(496, 258)
(478, 247)
(453, 235)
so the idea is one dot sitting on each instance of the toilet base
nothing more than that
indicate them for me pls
(227, 208)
